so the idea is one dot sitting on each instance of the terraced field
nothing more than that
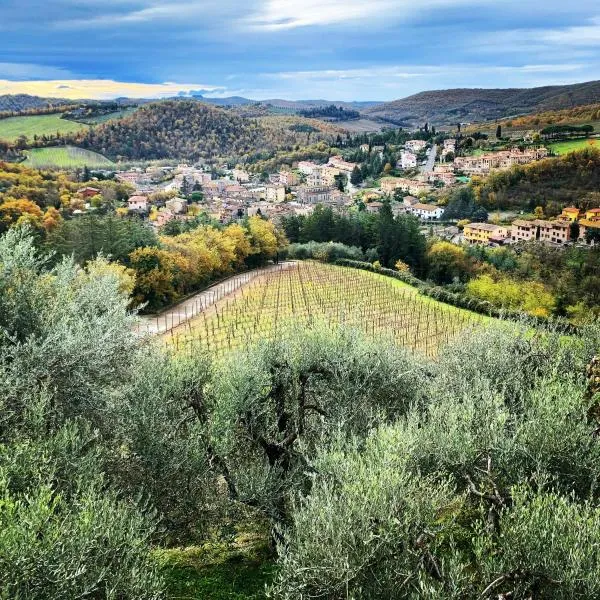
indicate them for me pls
(312, 292)
(13, 127)
(65, 157)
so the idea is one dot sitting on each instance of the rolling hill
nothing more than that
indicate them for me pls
(193, 130)
(37, 125)
(24, 102)
(448, 107)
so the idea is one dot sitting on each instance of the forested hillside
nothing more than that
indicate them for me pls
(468, 105)
(569, 116)
(194, 130)
(24, 102)
(552, 184)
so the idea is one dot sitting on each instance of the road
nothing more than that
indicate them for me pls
(428, 166)
(194, 305)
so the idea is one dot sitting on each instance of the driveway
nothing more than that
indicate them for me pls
(430, 160)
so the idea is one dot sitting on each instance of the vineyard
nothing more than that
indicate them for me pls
(307, 293)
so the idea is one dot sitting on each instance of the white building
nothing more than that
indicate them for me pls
(415, 146)
(138, 203)
(426, 212)
(408, 160)
(275, 193)
(307, 167)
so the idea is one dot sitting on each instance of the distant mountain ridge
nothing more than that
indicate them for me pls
(20, 102)
(447, 107)
(282, 103)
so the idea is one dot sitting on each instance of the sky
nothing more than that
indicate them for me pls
(294, 49)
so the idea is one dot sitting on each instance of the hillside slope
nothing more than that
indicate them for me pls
(194, 130)
(447, 107)
(21, 102)
(553, 183)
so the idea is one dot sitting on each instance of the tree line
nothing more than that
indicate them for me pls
(380, 236)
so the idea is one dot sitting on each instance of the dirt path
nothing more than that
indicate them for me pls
(194, 305)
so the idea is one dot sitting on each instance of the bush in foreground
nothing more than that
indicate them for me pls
(489, 491)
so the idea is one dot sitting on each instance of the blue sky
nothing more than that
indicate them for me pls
(339, 50)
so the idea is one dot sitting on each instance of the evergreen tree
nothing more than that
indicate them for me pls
(356, 177)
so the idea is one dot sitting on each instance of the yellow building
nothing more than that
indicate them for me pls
(570, 214)
(584, 226)
(593, 214)
(485, 233)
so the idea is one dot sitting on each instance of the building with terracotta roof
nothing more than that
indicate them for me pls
(593, 214)
(571, 213)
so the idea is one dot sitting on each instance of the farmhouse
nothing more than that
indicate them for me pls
(339, 163)
(593, 214)
(139, 203)
(571, 213)
(389, 184)
(88, 192)
(415, 146)
(374, 207)
(177, 206)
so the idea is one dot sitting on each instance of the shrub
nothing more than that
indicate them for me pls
(324, 251)
(486, 490)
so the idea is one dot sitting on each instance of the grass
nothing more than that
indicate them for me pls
(13, 127)
(573, 145)
(217, 570)
(65, 157)
(311, 292)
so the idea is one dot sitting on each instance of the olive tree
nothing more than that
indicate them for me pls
(272, 407)
(65, 342)
(489, 459)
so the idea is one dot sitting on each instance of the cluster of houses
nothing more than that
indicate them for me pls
(411, 206)
(238, 193)
(557, 232)
(484, 163)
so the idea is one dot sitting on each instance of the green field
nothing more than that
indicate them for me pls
(307, 293)
(65, 157)
(573, 145)
(13, 127)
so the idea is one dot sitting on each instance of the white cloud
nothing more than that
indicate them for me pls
(412, 71)
(578, 35)
(274, 15)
